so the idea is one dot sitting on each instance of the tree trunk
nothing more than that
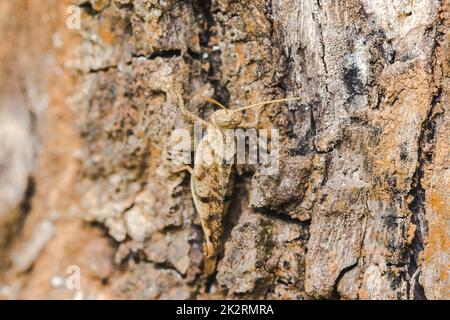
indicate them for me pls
(358, 209)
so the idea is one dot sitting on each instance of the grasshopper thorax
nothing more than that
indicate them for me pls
(226, 119)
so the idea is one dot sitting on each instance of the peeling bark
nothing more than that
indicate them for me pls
(358, 210)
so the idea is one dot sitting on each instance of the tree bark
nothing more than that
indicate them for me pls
(360, 205)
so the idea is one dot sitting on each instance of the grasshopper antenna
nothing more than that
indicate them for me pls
(267, 102)
(217, 103)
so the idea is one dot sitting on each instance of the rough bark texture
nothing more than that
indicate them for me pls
(359, 209)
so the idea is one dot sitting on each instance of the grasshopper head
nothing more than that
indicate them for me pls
(226, 119)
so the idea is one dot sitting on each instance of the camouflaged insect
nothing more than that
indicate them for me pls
(212, 176)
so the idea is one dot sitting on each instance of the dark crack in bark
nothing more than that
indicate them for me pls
(425, 152)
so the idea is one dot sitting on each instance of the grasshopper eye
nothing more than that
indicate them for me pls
(226, 119)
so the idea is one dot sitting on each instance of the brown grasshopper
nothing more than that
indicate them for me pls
(212, 175)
